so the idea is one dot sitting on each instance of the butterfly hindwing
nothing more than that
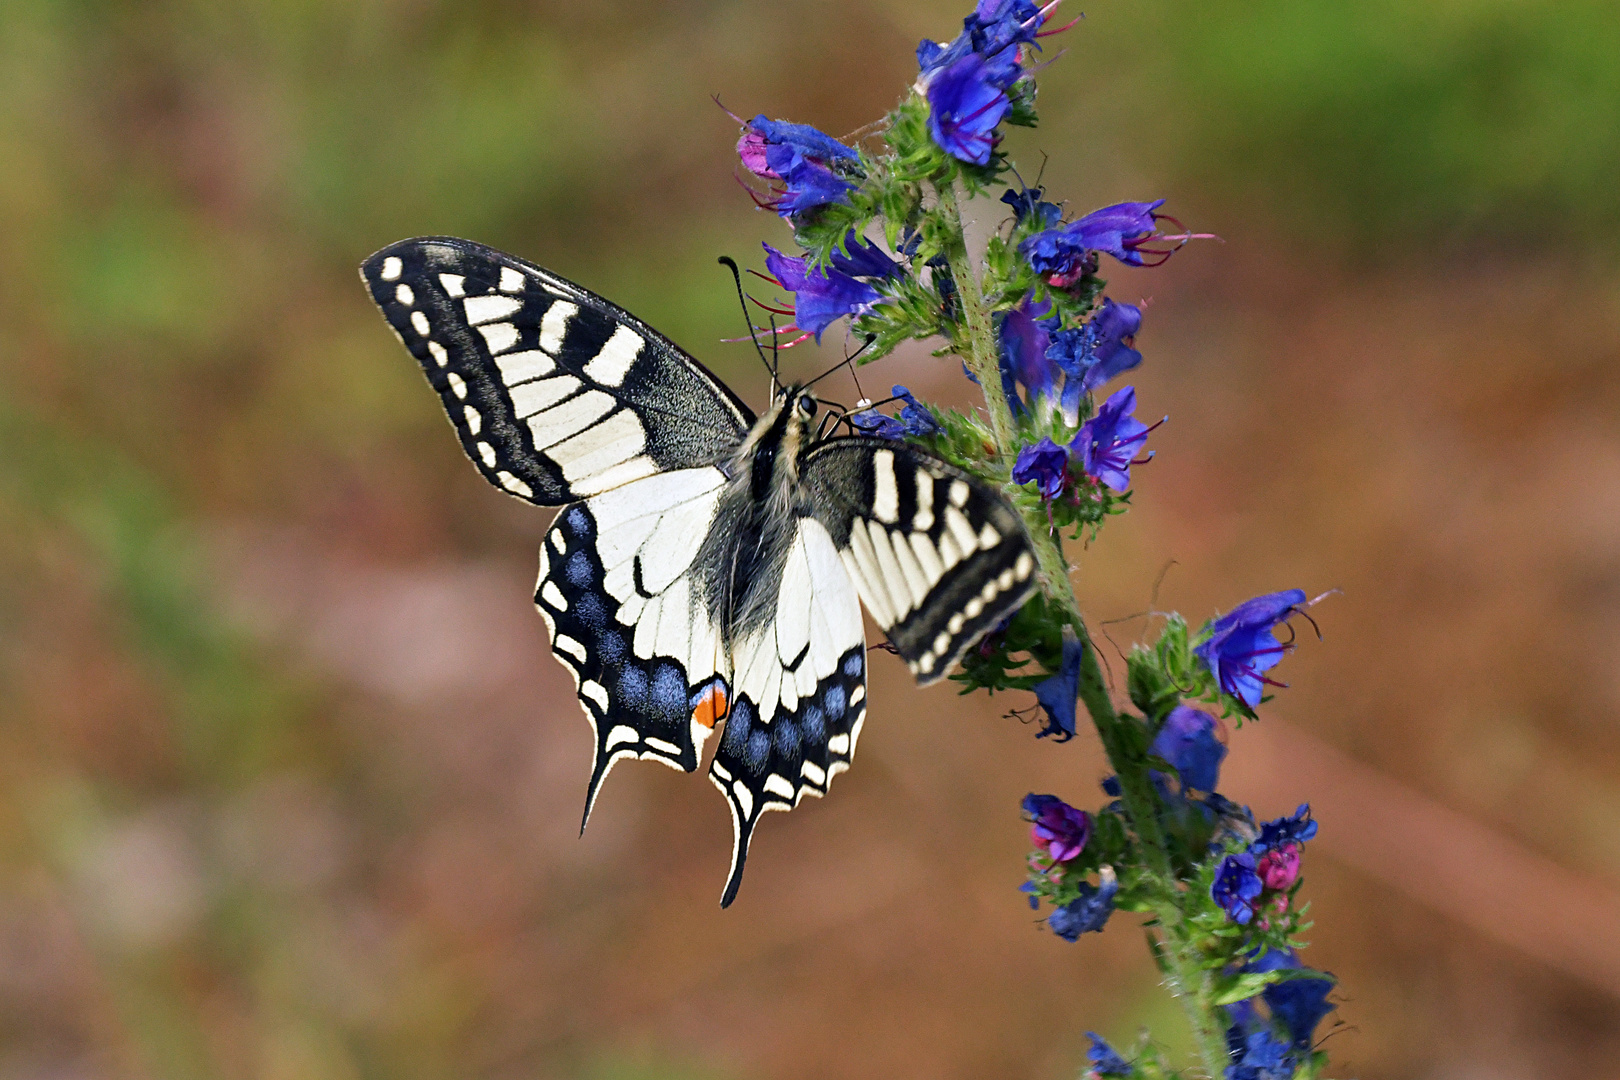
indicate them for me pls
(799, 694)
(625, 613)
(939, 557)
(556, 393)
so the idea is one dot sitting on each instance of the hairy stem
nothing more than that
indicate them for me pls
(1122, 736)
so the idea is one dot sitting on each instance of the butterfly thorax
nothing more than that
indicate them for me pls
(758, 513)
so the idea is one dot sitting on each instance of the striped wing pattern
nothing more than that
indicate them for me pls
(556, 393)
(798, 694)
(938, 557)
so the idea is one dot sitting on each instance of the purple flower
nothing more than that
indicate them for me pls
(1058, 828)
(1089, 912)
(1061, 254)
(1241, 647)
(1058, 693)
(1027, 203)
(994, 32)
(1299, 1003)
(1187, 740)
(1024, 335)
(914, 419)
(864, 259)
(802, 158)
(1236, 887)
(964, 108)
(1104, 1060)
(821, 294)
(1293, 829)
(1095, 353)
(1108, 442)
(1045, 464)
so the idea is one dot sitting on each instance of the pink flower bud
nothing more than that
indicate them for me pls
(1279, 869)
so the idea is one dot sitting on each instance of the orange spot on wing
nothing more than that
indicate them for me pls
(712, 707)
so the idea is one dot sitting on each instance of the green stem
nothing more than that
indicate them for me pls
(1122, 736)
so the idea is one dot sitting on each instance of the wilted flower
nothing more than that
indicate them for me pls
(1058, 828)
(1187, 740)
(1108, 442)
(1058, 693)
(1241, 647)
(1028, 203)
(1088, 913)
(1046, 464)
(821, 295)
(1236, 886)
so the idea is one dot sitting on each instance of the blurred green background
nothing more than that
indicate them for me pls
(289, 782)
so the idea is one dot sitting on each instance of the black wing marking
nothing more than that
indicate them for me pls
(938, 557)
(799, 694)
(556, 393)
(617, 595)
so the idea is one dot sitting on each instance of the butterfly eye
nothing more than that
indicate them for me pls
(807, 405)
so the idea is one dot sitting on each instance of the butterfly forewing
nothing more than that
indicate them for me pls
(939, 557)
(556, 393)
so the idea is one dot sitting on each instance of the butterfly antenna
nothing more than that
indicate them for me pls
(870, 338)
(736, 276)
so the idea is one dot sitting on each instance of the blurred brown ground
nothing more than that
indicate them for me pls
(288, 783)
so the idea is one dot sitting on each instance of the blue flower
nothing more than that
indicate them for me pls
(994, 32)
(864, 259)
(1264, 1057)
(1299, 1003)
(964, 107)
(1104, 1060)
(1062, 255)
(1095, 353)
(1236, 886)
(1028, 203)
(1108, 442)
(1058, 693)
(1241, 647)
(820, 294)
(800, 156)
(1045, 464)
(1089, 912)
(1294, 829)
(1024, 336)
(1187, 741)
(914, 419)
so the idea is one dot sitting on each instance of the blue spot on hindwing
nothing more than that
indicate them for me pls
(590, 610)
(579, 522)
(578, 570)
(756, 752)
(611, 645)
(669, 690)
(834, 702)
(786, 737)
(633, 686)
(815, 725)
(737, 728)
(852, 664)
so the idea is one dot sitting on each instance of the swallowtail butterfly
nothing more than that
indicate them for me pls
(704, 569)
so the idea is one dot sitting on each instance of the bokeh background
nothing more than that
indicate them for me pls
(289, 784)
